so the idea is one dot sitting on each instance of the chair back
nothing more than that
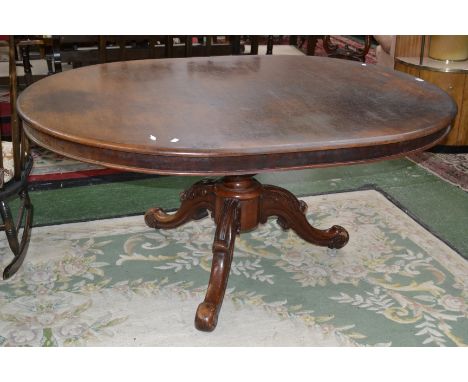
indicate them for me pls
(17, 152)
(88, 50)
(19, 142)
(16, 149)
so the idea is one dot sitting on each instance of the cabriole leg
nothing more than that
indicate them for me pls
(290, 211)
(206, 317)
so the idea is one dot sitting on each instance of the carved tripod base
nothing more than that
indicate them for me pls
(238, 204)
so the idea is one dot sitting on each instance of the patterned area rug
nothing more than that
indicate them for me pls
(116, 282)
(51, 166)
(450, 167)
(341, 41)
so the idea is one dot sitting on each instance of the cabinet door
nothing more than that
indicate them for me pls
(406, 69)
(463, 129)
(453, 84)
(410, 46)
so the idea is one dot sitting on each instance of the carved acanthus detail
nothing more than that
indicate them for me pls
(198, 190)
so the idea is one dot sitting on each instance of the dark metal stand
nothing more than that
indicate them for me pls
(18, 243)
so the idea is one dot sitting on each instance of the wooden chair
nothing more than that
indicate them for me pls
(77, 51)
(15, 166)
(269, 40)
(24, 46)
(87, 50)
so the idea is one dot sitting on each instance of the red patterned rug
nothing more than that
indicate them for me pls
(5, 111)
(452, 168)
(342, 41)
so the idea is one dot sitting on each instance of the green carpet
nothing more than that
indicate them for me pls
(115, 282)
(438, 205)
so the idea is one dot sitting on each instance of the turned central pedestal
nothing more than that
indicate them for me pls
(247, 191)
(238, 204)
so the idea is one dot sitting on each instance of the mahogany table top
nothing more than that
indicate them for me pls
(233, 114)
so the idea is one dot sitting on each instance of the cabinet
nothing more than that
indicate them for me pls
(411, 57)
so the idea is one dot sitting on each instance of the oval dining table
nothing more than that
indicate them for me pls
(233, 117)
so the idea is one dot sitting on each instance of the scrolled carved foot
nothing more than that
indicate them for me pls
(339, 237)
(291, 211)
(194, 205)
(206, 317)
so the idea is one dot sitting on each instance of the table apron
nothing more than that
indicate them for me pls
(226, 165)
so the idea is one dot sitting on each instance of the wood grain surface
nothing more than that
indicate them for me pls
(234, 114)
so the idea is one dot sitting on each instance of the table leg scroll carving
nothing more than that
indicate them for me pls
(206, 317)
(290, 211)
(238, 204)
(195, 202)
